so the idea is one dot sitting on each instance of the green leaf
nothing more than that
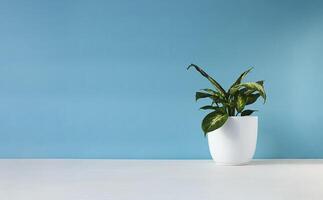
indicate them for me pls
(208, 108)
(241, 101)
(217, 99)
(238, 81)
(216, 108)
(221, 110)
(200, 95)
(250, 91)
(234, 90)
(215, 96)
(252, 87)
(209, 90)
(214, 93)
(261, 82)
(203, 73)
(247, 112)
(213, 121)
(252, 98)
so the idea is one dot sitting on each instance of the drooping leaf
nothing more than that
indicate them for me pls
(214, 82)
(241, 77)
(252, 98)
(249, 91)
(247, 112)
(240, 102)
(200, 95)
(213, 121)
(253, 86)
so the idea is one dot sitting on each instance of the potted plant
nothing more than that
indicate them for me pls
(229, 127)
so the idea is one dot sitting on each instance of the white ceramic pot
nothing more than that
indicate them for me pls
(235, 142)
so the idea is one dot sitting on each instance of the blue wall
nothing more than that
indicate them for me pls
(107, 79)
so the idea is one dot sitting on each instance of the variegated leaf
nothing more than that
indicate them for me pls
(213, 121)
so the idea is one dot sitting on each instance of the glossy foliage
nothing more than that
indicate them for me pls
(226, 103)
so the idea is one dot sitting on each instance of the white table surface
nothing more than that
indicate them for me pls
(159, 180)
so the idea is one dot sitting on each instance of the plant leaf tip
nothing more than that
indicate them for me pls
(191, 65)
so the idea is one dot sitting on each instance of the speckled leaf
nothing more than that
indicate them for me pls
(252, 87)
(213, 121)
(240, 102)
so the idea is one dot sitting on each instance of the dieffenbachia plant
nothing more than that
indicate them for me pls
(231, 102)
